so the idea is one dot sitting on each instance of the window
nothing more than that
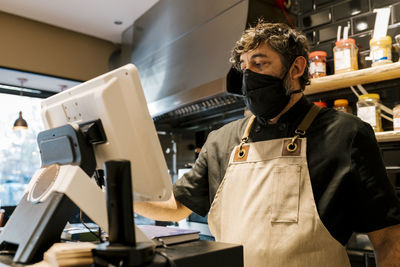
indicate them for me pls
(19, 153)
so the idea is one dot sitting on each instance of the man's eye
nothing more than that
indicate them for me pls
(259, 64)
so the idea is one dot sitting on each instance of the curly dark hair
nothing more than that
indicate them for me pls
(287, 42)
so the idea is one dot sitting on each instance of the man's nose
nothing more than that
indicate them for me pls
(251, 69)
(247, 68)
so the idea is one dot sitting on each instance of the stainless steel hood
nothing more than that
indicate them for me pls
(182, 50)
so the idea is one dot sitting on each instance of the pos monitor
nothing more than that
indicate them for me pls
(97, 121)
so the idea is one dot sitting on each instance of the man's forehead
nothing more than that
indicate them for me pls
(262, 50)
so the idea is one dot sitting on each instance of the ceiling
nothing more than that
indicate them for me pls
(104, 19)
(9, 79)
(92, 17)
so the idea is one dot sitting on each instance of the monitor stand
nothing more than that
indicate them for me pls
(122, 249)
(43, 212)
(41, 215)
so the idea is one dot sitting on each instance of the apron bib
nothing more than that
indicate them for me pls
(265, 202)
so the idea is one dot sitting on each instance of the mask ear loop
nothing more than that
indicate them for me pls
(296, 91)
(284, 77)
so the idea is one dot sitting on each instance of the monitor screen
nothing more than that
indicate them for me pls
(117, 99)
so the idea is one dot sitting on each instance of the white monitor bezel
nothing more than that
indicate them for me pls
(117, 99)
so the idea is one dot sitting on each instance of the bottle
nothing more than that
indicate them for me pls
(396, 117)
(369, 110)
(317, 61)
(345, 55)
(381, 50)
(342, 105)
(397, 45)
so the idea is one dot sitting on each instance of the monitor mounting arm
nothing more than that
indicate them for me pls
(68, 162)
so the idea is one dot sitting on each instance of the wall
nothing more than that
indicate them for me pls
(36, 47)
(319, 20)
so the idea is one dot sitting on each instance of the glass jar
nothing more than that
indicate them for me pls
(396, 117)
(317, 61)
(345, 55)
(381, 50)
(397, 46)
(342, 105)
(369, 110)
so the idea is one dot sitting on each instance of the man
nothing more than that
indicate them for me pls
(292, 182)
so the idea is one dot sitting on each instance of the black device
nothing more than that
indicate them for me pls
(122, 248)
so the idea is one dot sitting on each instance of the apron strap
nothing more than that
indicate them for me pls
(248, 128)
(303, 127)
(308, 119)
(300, 131)
(245, 137)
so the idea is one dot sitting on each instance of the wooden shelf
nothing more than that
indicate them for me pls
(364, 76)
(389, 136)
(347, 79)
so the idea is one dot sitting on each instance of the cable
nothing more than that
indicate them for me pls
(93, 233)
(170, 261)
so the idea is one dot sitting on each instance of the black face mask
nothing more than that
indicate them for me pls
(265, 95)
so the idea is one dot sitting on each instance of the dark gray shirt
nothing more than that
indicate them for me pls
(348, 177)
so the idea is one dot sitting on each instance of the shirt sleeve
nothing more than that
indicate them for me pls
(375, 203)
(192, 188)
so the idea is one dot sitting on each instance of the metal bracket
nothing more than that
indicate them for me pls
(383, 107)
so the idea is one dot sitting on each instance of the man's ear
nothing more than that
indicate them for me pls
(297, 68)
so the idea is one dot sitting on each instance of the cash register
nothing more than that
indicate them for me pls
(102, 124)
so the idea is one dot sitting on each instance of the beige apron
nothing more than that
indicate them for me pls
(265, 202)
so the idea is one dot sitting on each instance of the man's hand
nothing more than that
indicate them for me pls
(386, 243)
(170, 210)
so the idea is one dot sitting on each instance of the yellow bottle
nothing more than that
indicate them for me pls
(369, 110)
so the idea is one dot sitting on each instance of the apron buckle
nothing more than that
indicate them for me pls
(292, 146)
(242, 152)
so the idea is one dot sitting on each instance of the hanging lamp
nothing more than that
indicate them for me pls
(20, 123)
